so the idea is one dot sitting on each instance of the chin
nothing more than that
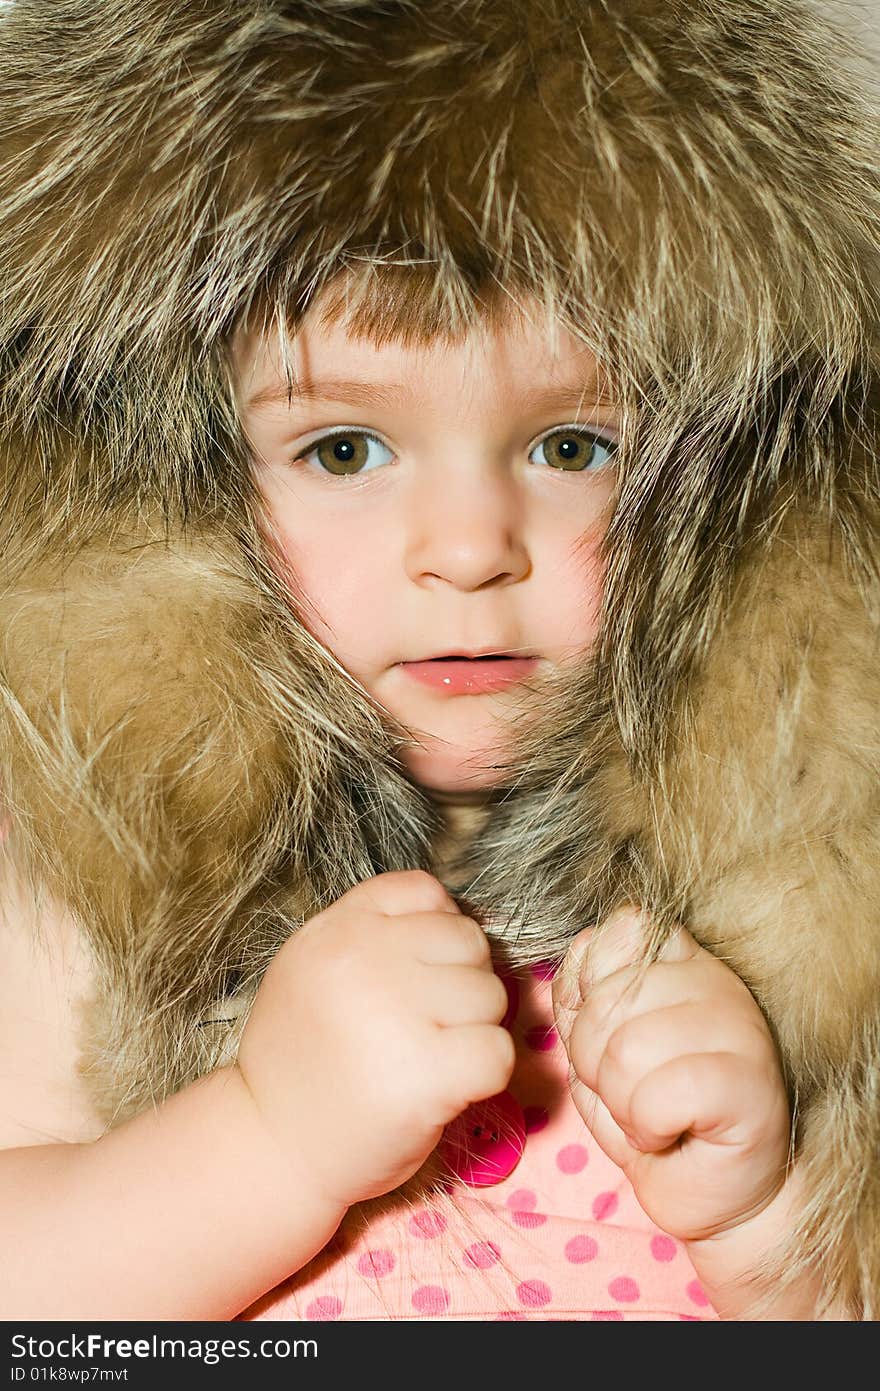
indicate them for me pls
(439, 767)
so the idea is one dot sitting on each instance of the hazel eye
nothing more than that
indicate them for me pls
(348, 452)
(574, 450)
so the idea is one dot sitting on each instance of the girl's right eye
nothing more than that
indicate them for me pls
(347, 452)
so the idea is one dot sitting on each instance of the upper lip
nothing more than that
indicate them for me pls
(473, 652)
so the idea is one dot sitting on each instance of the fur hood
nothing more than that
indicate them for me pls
(688, 186)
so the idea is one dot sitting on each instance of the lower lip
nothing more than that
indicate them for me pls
(480, 676)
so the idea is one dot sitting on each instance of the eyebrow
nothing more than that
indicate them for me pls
(361, 393)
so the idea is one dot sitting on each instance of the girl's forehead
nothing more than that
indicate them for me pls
(517, 349)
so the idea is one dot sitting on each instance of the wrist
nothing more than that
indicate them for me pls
(284, 1176)
(742, 1267)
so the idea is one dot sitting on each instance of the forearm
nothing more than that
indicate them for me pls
(729, 1265)
(185, 1212)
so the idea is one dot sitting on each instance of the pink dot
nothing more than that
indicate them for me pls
(427, 1224)
(624, 1290)
(522, 1200)
(535, 1117)
(697, 1294)
(663, 1248)
(327, 1307)
(534, 1294)
(508, 1316)
(530, 1219)
(571, 1159)
(430, 1299)
(482, 1254)
(606, 1315)
(376, 1263)
(544, 970)
(541, 1038)
(689, 1318)
(604, 1205)
(522, 1203)
(580, 1249)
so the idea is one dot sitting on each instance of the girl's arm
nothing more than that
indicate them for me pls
(189, 1211)
(375, 1025)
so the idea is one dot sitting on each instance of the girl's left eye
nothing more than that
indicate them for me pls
(348, 452)
(574, 449)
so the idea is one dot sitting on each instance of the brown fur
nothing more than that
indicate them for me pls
(690, 187)
(758, 829)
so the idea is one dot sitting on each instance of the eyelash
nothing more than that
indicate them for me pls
(341, 433)
(597, 437)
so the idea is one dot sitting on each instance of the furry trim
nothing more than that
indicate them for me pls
(690, 187)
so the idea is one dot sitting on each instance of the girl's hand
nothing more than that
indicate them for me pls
(676, 1076)
(375, 1025)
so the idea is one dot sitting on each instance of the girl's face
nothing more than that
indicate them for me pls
(435, 501)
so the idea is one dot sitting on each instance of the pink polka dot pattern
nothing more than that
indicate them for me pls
(604, 1205)
(522, 1200)
(696, 1292)
(581, 1249)
(663, 1248)
(376, 1263)
(327, 1307)
(624, 1290)
(427, 1224)
(430, 1299)
(542, 1038)
(482, 1254)
(530, 1219)
(560, 1236)
(571, 1159)
(522, 1204)
(534, 1294)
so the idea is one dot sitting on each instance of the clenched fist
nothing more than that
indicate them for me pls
(375, 1025)
(676, 1075)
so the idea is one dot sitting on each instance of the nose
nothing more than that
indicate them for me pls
(466, 527)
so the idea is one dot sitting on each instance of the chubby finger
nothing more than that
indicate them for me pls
(614, 1066)
(448, 939)
(593, 955)
(640, 1017)
(454, 995)
(620, 944)
(474, 1061)
(601, 1124)
(707, 1096)
(606, 963)
(405, 891)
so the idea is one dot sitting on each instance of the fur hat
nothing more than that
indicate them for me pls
(684, 184)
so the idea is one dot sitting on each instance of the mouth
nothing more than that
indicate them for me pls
(470, 673)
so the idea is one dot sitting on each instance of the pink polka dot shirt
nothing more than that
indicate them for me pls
(539, 1223)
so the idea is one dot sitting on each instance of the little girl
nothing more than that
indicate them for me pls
(351, 357)
(439, 510)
